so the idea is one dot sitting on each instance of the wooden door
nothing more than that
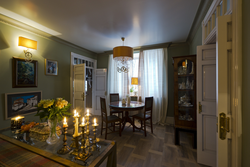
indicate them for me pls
(100, 88)
(79, 88)
(224, 101)
(206, 105)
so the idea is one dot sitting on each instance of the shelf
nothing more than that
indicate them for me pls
(185, 75)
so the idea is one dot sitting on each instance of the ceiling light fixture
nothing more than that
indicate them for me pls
(27, 43)
(123, 55)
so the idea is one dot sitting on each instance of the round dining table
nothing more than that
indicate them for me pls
(134, 106)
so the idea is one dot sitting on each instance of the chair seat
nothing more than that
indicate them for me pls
(141, 116)
(113, 118)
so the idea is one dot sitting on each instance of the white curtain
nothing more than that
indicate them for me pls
(152, 75)
(152, 81)
(117, 82)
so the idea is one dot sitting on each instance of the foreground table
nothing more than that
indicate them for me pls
(108, 150)
(134, 106)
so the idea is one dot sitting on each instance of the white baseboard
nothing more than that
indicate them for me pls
(170, 120)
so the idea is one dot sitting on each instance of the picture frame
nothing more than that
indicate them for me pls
(24, 74)
(51, 67)
(21, 103)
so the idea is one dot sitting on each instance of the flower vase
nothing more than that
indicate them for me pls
(53, 137)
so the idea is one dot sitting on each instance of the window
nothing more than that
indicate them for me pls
(133, 72)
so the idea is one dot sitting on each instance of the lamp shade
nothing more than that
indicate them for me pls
(134, 81)
(123, 51)
(28, 43)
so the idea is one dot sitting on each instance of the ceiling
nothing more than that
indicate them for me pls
(98, 25)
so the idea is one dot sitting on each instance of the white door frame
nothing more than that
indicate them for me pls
(236, 73)
(75, 55)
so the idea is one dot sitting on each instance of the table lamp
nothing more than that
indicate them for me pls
(134, 81)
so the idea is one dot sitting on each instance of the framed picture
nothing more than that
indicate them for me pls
(51, 67)
(24, 74)
(21, 103)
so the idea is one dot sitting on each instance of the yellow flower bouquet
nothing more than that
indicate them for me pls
(53, 110)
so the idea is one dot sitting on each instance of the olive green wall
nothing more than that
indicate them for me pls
(51, 86)
(174, 51)
(103, 60)
(246, 83)
(197, 40)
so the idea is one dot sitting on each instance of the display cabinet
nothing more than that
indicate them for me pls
(185, 95)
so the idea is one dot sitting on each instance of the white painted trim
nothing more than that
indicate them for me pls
(211, 38)
(75, 55)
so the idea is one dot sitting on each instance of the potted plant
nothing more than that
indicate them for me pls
(131, 90)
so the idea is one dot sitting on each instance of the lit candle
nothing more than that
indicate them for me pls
(76, 123)
(74, 112)
(65, 122)
(87, 112)
(82, 120)
(95, 121)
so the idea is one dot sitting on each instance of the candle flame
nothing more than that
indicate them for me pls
(17, 118)
(95, 121)
(83, 120)
(87, 111)
(65, 120)
(74, 112)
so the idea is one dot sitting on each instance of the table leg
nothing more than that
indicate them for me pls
(112, 159)
(126, 119)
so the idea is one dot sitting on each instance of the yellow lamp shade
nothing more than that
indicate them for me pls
(123, 51)
(28, 43)
(134, 81)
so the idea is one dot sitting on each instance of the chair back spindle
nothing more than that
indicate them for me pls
(114, 97)
(148, 106)
(103, 108)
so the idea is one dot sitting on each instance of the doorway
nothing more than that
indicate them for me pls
(89, 92)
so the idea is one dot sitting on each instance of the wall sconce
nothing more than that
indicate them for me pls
(27, 43)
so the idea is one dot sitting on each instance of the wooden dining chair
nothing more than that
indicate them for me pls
(115, 97)
(146, 115)
(108, 119)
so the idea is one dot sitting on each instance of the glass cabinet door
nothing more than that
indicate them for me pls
(185, 91)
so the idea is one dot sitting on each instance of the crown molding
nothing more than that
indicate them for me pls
(201, 13)
(25, 27)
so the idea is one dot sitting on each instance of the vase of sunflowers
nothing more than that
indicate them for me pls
(53, 110)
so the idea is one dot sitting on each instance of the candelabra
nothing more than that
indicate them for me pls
(75, 136)
(87, 133)
(65, 149)
(83, 155)
(94, 145)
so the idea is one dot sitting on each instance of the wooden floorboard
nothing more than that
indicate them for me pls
(157, 149)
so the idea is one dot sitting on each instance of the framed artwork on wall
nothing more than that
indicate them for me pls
(51, 67)
(21, 103)
(24, 74)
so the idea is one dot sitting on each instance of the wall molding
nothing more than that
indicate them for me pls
(197, 23)
(25, 27)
